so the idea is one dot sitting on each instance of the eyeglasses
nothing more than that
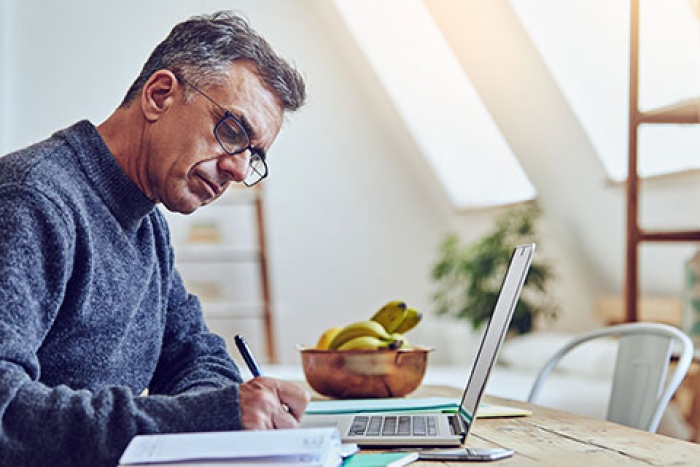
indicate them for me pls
(233, 138)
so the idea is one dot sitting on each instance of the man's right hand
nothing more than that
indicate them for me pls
(268, 403)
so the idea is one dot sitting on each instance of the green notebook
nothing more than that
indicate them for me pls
(381, 459)
(421, 404)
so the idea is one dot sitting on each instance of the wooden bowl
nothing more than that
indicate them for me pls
(346, 374)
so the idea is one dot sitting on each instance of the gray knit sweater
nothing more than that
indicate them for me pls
(93, 311)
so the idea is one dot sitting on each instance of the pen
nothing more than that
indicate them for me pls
(247, 355)
(250, 361)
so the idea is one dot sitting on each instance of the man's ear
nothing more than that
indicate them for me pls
(158, 94)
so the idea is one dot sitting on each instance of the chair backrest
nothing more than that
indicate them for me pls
(642, 384)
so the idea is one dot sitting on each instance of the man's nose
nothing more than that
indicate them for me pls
(235, 165)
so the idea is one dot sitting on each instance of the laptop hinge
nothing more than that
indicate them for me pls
(457, 425)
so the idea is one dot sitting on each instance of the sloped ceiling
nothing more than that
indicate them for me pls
(557, 154)
(583, 208)
(445, 115)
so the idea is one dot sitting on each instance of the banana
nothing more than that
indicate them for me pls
(390, 315)
(410, 321)
(359, 329)
(327, 337)
(369, 343)
(398, 337)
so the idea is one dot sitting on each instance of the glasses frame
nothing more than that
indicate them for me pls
(257, 157)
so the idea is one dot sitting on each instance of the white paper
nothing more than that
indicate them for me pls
(294, 446)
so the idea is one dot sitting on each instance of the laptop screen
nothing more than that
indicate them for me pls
(495, 332)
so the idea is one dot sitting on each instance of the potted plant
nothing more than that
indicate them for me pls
(468, 278)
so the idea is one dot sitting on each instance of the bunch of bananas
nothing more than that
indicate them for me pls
(384, 330)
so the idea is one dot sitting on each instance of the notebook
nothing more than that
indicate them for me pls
(401, 429)
(413, 404)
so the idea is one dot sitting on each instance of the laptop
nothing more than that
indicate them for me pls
(439, 429)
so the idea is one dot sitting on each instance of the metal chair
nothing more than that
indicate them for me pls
(642, 383)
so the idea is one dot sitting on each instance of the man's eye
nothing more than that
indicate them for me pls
(232, 135)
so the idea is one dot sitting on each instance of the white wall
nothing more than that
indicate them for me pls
(354, 214)
(6, 48)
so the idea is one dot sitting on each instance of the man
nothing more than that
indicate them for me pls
(92, 309)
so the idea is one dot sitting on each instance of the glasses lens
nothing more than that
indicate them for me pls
(231, 135)
(257, 170)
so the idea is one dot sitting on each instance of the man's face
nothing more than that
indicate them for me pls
(187, 167)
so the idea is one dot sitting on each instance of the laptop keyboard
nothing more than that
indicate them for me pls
(393, 425)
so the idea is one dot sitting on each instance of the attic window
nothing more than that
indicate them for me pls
(437, 101)
(585, 44)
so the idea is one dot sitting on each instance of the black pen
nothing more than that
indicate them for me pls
(247, 355)
(250, 361)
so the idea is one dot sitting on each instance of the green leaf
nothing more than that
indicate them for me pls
(468, 278)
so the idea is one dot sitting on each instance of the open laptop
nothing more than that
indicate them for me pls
(439, 429)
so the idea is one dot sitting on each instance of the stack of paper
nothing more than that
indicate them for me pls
(311, 447)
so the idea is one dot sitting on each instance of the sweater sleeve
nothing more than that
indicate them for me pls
(192, 358)
(60, 425)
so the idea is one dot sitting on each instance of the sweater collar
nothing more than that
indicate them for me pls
(124, 199)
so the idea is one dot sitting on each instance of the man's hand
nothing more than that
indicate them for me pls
(268, 403)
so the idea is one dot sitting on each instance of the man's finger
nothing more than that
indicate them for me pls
(284, 419)
(294, 398)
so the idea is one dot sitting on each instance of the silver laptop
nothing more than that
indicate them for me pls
(388, 429)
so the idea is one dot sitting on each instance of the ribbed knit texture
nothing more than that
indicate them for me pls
(93, 311)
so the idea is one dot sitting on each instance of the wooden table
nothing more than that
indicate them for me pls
(553, 437)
